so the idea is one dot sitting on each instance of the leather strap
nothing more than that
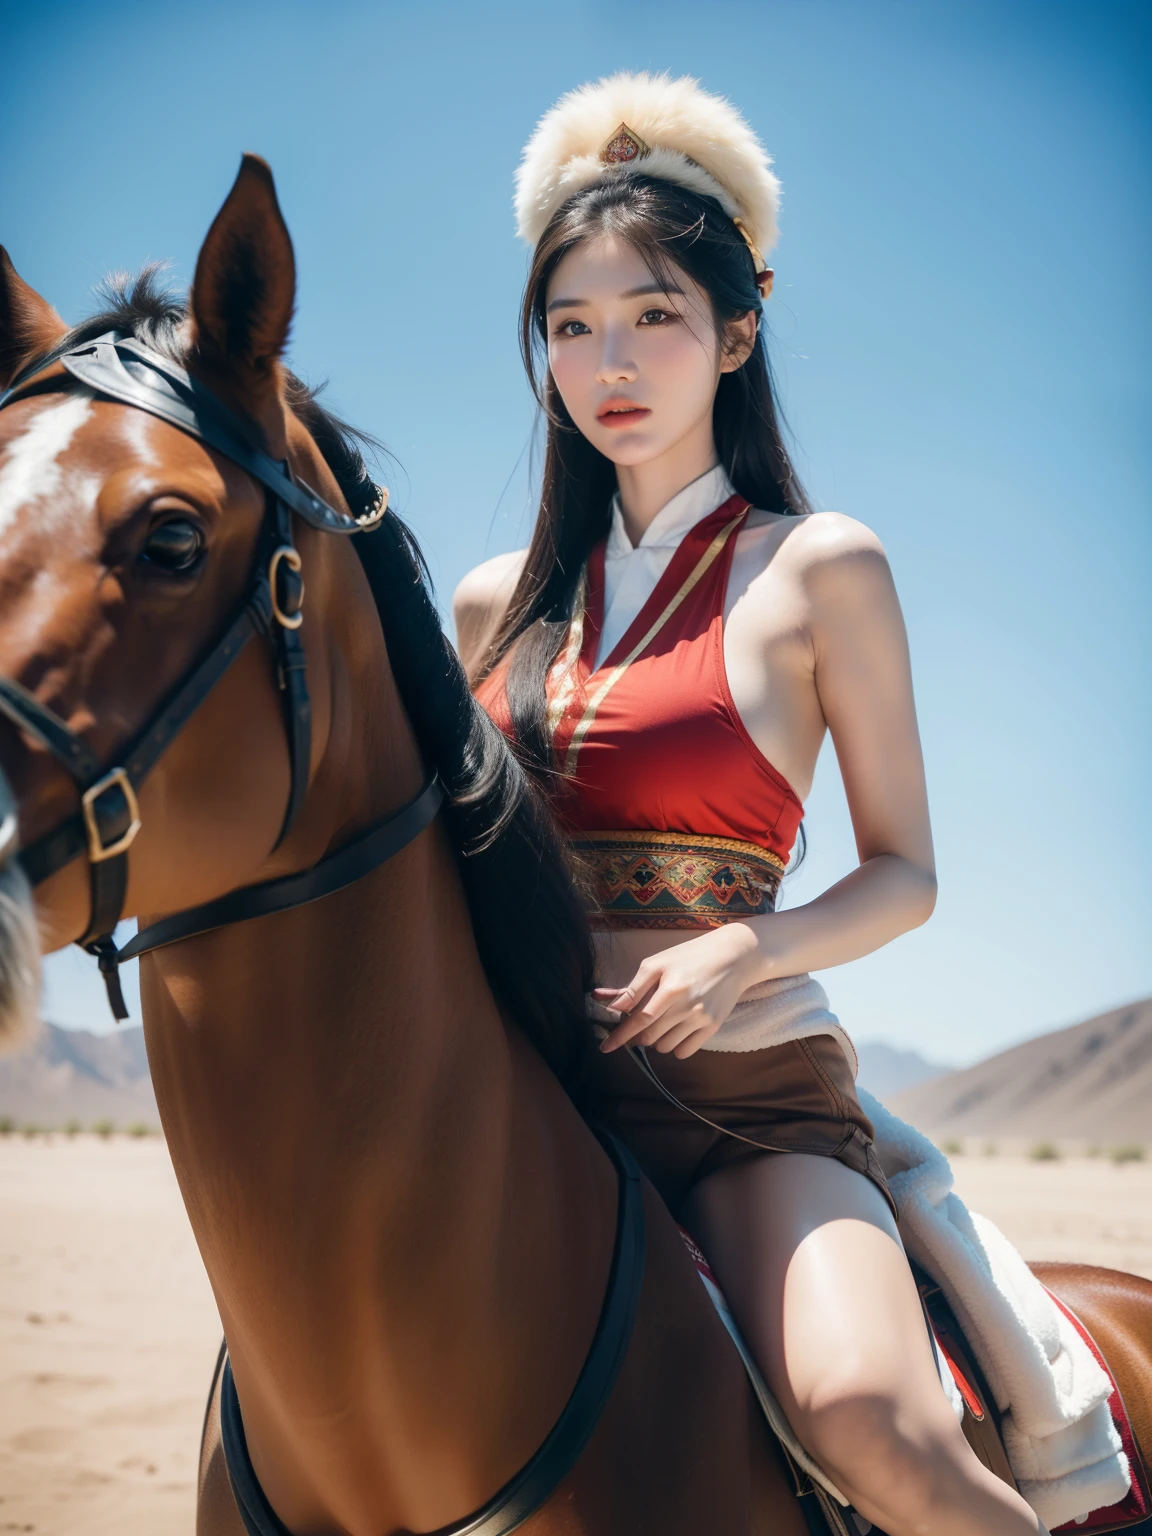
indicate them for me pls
(292, 672)
(347, 865)
(46, 727)
(539, 1479)
(69, 839)
(122, 368)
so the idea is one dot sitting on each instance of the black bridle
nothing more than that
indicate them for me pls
(122, 368)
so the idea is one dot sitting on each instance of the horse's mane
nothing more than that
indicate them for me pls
(530, 928)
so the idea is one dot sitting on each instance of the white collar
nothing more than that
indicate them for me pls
(711, 490)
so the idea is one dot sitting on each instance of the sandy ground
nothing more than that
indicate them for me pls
(108, 1330)
(108, 1335)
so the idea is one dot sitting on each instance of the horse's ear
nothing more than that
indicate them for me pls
(245, 287)
(28, 324)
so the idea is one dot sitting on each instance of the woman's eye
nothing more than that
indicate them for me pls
(566, 329)
(175, 545)
(655, 316)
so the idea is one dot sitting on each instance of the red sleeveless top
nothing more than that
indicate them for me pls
(650, 739)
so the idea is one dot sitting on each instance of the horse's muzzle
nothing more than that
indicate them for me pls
(19, 939)
(8, 821)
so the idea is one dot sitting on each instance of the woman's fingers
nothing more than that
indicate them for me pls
(690, 1043)
(645, 1024)
(646, 977)
(695, 1022)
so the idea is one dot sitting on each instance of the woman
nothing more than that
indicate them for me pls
(668, 655)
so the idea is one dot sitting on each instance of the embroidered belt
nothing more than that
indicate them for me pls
(673, 879)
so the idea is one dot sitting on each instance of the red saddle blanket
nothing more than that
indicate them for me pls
(1137, 1505)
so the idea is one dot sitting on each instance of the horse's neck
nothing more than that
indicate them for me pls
(406, 1227)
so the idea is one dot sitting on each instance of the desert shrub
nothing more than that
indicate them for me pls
(31, 1130)
(1045, 1152)
(7, 1125)
(139, 1129)
(952, 1148)
(104, 1128)
(990, 1149)
(1095, 1150)
(1131, 1152)
(73, 1128)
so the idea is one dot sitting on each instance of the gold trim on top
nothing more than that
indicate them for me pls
(702, 842)
(563, 669)
(618, 671)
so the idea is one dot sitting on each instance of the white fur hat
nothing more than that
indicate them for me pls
(654, 126)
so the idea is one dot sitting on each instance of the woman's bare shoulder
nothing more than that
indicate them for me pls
(821, 537)
(829, 549)
(481, 600)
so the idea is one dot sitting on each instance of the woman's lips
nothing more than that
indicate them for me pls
(621, 413)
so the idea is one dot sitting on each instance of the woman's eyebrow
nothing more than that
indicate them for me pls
(666, 289)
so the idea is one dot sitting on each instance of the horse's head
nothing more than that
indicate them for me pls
(127, 547)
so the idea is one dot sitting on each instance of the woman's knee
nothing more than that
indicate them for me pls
(884, 1457)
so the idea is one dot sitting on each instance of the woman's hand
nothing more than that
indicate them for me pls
(679, 998)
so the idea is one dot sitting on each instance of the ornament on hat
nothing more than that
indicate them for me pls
(650, 125)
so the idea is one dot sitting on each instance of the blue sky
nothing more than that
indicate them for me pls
(961, 325)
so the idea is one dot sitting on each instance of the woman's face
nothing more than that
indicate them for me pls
(636, 363)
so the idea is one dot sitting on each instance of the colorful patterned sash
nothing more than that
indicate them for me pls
(673, 879)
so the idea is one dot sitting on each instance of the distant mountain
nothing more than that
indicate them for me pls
(1091, 1081)
(70, 1074)
(886, 1071)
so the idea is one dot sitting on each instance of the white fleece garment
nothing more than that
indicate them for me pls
(785, 1008)
(1061, 1443)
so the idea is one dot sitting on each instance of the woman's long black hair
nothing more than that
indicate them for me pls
(671, 228)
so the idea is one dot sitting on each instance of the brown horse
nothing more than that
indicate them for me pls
(408, 1228)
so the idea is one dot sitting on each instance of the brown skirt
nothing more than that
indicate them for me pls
(796, 1097)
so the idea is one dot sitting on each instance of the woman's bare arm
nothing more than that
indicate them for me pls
(480, 603)
(863, 678)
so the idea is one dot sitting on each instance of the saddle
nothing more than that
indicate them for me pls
(826, 1510)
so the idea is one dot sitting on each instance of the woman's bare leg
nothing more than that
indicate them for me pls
(808, 1255)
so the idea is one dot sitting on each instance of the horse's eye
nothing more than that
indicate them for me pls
(174, 546)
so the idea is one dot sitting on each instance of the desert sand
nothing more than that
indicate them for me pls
(108, 1331)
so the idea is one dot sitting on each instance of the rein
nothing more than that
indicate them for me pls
(122, 368)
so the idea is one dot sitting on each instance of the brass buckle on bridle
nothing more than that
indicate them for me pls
(291, 556)
(98, 850)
